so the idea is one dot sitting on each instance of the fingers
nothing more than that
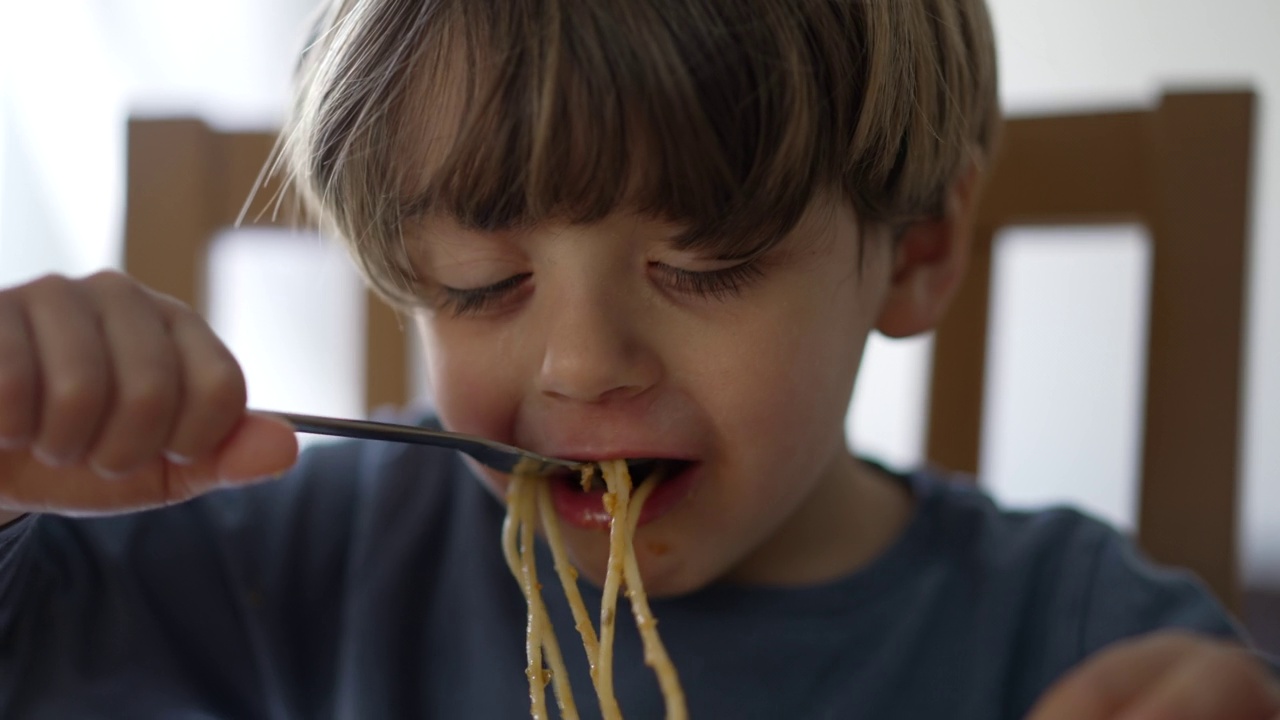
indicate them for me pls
(1218, 681)
(213, 385)
(73, 366)
(146, 380)
(1171, 676)
(127, 374)
(259, 445)
(1105, 684)
(258, 448)
(115, 398)
(19, 376)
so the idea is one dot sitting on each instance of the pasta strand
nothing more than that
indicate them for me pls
(546, 636)
(528, 502)
(655, 653)
(616, 499)
(568, 577)
(533, 627)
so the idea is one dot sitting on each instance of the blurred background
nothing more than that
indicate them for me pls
(72, 72)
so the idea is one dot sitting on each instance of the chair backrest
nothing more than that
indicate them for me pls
(186, 183)
(1182, 169)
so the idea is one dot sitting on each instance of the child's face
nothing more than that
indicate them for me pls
(603, 341)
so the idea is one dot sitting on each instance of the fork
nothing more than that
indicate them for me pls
(500, 457)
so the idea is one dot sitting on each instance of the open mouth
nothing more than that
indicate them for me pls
(581, 501)
(640, 470)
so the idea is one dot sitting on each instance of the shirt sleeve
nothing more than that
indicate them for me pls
(1131, 596)
(12, 536)
(225, 603)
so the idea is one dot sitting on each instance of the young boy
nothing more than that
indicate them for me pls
(627, 229)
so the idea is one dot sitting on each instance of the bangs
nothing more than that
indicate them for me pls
(724, 117)
(522, 113)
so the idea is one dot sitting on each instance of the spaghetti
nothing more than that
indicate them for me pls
(528, 502)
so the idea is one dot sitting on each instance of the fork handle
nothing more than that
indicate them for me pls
(495, 455)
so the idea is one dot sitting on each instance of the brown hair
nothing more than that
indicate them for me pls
(724, 115)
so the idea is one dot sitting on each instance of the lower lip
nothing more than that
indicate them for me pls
(586, 509)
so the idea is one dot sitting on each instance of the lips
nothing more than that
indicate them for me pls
(585, 508)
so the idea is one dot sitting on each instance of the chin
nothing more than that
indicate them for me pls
(664, 573)
(673, 586)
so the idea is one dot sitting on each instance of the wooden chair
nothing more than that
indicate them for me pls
(1183, 170)
(186, 182)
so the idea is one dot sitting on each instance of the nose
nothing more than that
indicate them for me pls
(596, 353)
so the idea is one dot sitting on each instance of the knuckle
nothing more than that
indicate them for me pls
(146, 403)
(110, 279)
(16, 396)
(109, 286)
(223, 386)
(49, 284)
(210, 409)
(78, 395)
(15, 386)
(179, 310)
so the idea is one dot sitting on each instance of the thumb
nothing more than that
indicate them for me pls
(260, 446)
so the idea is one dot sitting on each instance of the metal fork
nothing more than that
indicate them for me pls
(496, 455)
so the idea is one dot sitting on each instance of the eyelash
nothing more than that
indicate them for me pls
(718, 285)
(476, 300)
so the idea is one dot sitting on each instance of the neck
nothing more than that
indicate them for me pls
(852, 516)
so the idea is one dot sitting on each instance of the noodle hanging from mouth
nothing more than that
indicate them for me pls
(528, 502)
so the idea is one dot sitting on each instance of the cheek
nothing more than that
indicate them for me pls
(473, 385)
(785, 400)
(801, 401)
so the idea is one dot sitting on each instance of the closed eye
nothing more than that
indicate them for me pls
(720, 284)
(472, 301)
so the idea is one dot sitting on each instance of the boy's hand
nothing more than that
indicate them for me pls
(115, 398)
(1165, 676)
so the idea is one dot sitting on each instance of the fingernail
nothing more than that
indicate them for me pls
(13, 443)
(105, 473)
(48, 459)
(177, 459)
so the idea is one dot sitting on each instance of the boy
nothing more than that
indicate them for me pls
(626, 229)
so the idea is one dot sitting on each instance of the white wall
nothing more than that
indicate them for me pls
(61, 165)
(62, 141)
(229, 60)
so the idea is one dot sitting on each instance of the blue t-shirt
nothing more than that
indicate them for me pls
(369, 583)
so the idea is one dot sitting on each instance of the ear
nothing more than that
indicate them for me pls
(930, 259)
